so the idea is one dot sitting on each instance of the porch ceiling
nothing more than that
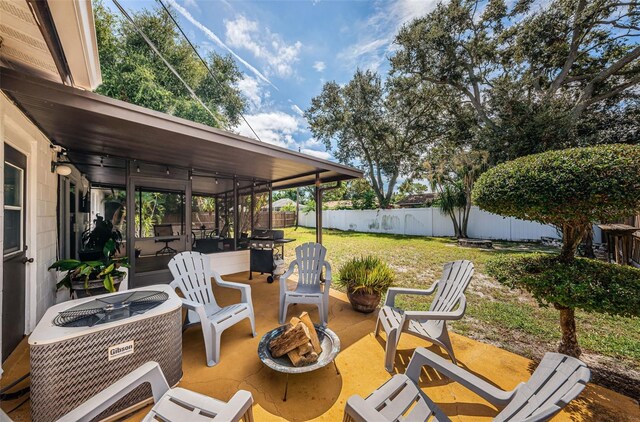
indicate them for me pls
(90, 124)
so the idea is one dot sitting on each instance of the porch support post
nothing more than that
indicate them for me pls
(236, 214)
(188, 214)
(318, 198)
(216, 204)
(131, 225)
(253, 201)
(270, 207)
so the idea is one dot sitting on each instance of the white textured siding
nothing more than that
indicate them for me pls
(42, 187)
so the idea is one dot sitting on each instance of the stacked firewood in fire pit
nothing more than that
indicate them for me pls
(299, 342)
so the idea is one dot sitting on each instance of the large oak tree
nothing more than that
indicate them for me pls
(382, 127)
(537, 77)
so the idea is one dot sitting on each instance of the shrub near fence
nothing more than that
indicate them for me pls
(431, 222)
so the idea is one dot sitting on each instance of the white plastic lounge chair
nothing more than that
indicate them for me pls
(171, 404)
(557, 380)
(192, 274)
(449, 304)
(310, 261)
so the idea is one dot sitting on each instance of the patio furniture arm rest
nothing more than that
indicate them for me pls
(286, 275)
(447, 316)
(245, 289)
(150, 373)
(196, 307)
(236, 408)
(327, 278)
(394, 291)
(423, 357)
(361, 411)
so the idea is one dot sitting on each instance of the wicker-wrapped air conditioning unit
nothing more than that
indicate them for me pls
(82, 346)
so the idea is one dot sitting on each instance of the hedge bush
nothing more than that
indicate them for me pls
(576, 185)
(587, 284)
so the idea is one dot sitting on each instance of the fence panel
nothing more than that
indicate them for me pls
(430, 222)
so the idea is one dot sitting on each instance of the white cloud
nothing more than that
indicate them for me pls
(253, 90)
(376, 34)
(278, 56)
(319, 66)
(297, 109)
(192, 4)
(213, 37)
(319, 154)
(275, 128)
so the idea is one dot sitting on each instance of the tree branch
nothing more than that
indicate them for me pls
(587, 93)
(573, 51)
(615, 91)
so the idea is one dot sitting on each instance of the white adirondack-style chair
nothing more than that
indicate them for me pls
(556, 381)
(310, 289)
(192, 274)
(171, 404)
(449, 304)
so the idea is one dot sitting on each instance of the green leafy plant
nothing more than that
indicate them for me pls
(587, 284)
(571, 189)
(367, 274)
(102, 233)
(107, 270)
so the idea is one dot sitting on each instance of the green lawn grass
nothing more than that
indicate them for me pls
(508, 318)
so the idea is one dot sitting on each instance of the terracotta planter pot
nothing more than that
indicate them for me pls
(363, 302)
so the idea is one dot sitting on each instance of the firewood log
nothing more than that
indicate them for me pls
(315, 342)
(297, 356)
(292, 338)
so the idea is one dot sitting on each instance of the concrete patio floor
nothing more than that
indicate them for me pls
(321, 395)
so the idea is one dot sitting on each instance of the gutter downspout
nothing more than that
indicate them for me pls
(42, 15)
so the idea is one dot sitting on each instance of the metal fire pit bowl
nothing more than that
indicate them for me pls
(330, 347)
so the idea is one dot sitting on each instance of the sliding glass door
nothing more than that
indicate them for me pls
(162, 227)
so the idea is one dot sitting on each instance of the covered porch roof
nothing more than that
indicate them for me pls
(90, 125)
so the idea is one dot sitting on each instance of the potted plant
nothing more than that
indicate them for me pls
(95, 239)
(90, 278)
(366, 279)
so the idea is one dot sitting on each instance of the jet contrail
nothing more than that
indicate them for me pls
(213, 37)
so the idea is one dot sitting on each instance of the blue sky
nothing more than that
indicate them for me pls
(288, 49)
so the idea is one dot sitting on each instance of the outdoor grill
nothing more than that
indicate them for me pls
(263, 257)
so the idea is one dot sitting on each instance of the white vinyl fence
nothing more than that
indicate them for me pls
(431, 222)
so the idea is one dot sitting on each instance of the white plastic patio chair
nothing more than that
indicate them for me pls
(192, 274)
(449, 304)
(556, 381)
(171, 404)
(310, 289)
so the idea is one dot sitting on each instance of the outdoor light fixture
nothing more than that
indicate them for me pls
(167, 170)
(138, 168)
(101, 161)
(216, 180)
(60, 168)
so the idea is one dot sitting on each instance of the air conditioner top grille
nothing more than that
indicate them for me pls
(110, 308)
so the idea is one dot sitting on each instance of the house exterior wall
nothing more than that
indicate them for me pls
(41, 228)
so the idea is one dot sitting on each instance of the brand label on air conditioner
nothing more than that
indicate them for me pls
(119, 350)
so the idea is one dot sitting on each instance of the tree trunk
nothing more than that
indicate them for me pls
(588, 245)
(569, 343)
(456, 226)
(465, 219)
(571, 238)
